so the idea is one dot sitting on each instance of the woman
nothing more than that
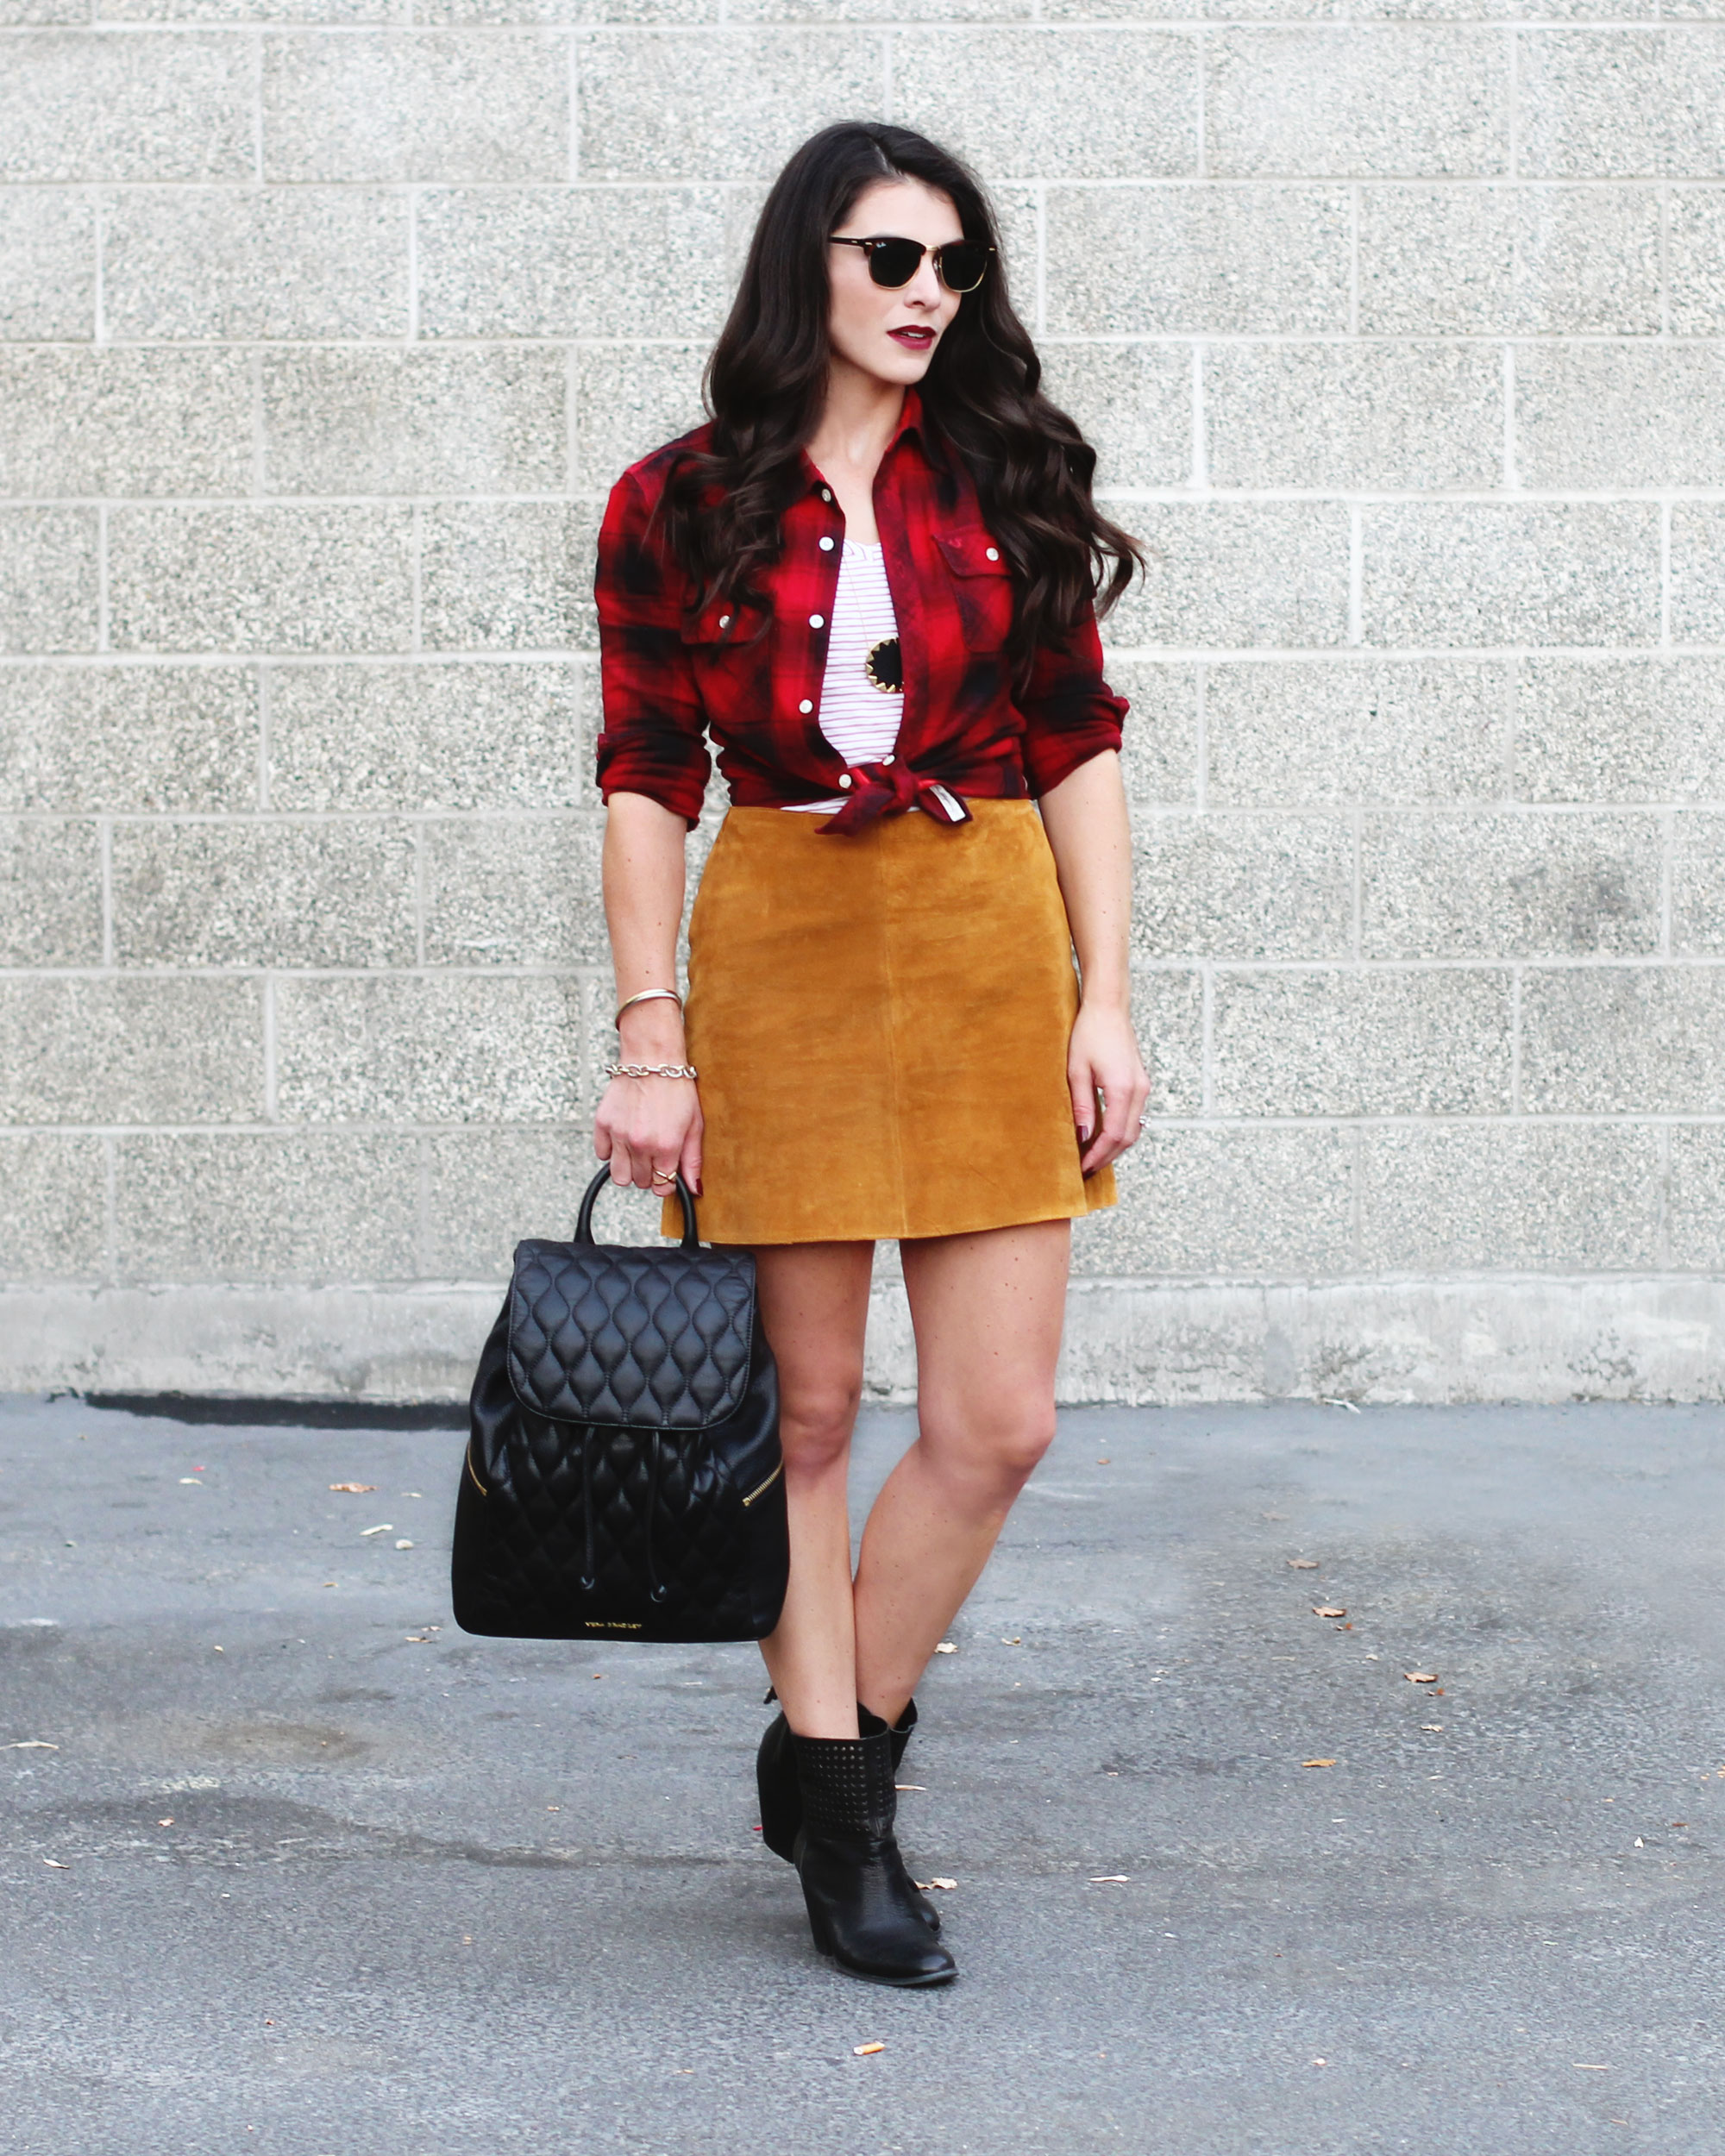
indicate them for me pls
(872, 580)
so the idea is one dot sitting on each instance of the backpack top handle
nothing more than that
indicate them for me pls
(584, 1231)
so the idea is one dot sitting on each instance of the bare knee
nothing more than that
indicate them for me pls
(992, 1456)
(815, 1423)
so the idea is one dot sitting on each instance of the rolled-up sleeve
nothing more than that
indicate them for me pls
(653, 737)
(1070, 714)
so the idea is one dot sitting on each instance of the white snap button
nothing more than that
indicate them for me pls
(994, 553)
(817, 621)
(806, 705)
(845, 779)
(724, 621)
(886, 759)
(826, 493)
(826, 546)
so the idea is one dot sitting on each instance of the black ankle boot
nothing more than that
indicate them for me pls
(862, 1906)
(781, 1801)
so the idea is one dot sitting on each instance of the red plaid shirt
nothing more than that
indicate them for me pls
(671, 677)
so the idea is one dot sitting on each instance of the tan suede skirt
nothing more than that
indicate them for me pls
(880, 1026)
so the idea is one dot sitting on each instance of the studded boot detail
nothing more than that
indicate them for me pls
(781, 1801)
(861, 1905)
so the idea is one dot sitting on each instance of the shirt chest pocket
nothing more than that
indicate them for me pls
(982, 587)
(721, 627)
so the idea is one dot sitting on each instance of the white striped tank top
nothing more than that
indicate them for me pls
(861, 721)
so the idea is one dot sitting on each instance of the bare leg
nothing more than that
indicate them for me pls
(814, 1304)
(988, 1310)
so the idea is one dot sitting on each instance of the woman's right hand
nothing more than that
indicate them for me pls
(648, 1127)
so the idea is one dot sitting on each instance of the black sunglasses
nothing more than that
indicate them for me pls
(961, 265)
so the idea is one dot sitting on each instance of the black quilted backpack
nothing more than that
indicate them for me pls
(622, 1478)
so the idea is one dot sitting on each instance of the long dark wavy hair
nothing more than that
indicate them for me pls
(766, 383)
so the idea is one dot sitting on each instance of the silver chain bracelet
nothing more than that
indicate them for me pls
(650, 1070)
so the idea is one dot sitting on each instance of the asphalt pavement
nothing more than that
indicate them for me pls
(292, 1866)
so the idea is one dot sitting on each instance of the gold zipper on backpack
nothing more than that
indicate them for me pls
(478, 1485)
(761, 1490)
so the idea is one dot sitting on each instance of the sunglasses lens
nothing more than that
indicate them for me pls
(893, 262)
(963, 266)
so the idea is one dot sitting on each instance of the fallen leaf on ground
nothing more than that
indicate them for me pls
(403, 1545)
(1317, 1762)
(946, 1647)
(55, 1864)
(32, 1744)
(1436, 1728)
(383, 1527)
(865, 2050)
(326, 1582)
(1105, 1462)
(164, 1822)
(1640, 1844)
(354, 1489)
(189, 1481)
(945, 1885)
(1679, 1822)
(1421, 1676)
(1111, 1879)
(1328, 1609)
(1302, 1564)
(1013, 1642)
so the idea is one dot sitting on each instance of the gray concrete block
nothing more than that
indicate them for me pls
(1509, 1197)
(1429, 1041)
(628, 401)
(48, 579)
(48, 265)
(274, 11)
(118, 1050)
(526, 263)
(1412, 417)
(1133, 403)
(892, 11)
(509, 576)
(1695, 261)
(1358, 99)
(1611, 102)
(37, 14)
(255, 262)
(84, 105)
(1159, 755)
(264, 893)
(456, 1048)
(1240, 887)
(96, 737)
(56, 1206)
(1510, 260)
(266, 1205)
(514, 891)
(50, 894)
(1509, 883)
(1619, 1040)
(1240, 573)
(1697, 881)
(1620, 730)
(1697, 572)
(415, 422)
(1489, 572)
(487, 1189)
(1242, 1201)
(1053, 104)
(1167, 1015)
(1339, 731)
(588, 12)
(1696, 1200)
(125, 422)
(1597, 415)
(424, 105)
(273, 578)
(730, 104)
(1186, 259)
(450, 735)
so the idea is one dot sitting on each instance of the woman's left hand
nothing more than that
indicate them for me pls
(1109, 1084)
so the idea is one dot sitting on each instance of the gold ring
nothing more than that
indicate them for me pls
(664, 1174)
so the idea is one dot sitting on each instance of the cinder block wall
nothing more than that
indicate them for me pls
(328, 324)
